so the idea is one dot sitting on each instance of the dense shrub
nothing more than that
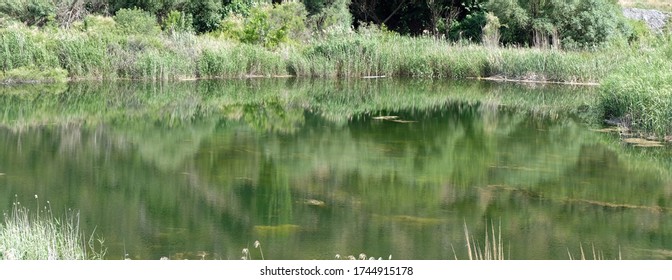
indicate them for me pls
(98, 24)
(30, 12)
(267, 25)
(207, 14)
(470, 28)
(136, 21)
(592, 23)
(177, 21)
(540, 23)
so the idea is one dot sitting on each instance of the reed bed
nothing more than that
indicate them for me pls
(41, 236)
(639, 93)
(634, 78)
(369, 52)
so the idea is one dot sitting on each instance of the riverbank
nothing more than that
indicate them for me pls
(99, 50)
(31, 55)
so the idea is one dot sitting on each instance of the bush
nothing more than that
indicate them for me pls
(207, 15)
(471, 28)
(593, 23)
(326, 15)
(30, 12)
(177, 21)
(267, 25)
(99, 24)
(136, 21)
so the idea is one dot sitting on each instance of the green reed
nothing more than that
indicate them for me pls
(39, 235)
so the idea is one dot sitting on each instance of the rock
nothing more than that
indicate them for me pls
(655, 19)
(315, 202)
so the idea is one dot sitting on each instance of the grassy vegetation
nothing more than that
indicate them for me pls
(86, 54)
(663, 5)
(633, 74)
(639, 94)
(41, 236)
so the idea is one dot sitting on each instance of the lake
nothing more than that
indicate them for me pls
(315, 168)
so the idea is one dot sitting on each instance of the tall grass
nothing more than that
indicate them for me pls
(239, 61)
(368, 52)
(639, 93)
(23, 47)
(634, 79)
(41, 236)
(492, 249)
(596, 254)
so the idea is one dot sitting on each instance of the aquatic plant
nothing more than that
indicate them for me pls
(41, 236)
(492, 249)
(246, 251)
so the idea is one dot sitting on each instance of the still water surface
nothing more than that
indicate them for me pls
(204, 169)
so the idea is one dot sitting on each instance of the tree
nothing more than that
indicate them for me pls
(207, 14)
(546, 22)
(594, 22)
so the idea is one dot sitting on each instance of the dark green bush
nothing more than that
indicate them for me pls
(207, 14)
(471, 28)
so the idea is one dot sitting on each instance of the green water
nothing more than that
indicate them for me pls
(204, 169)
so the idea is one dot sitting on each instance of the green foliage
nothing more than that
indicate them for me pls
(514, 19)
(267, 25)
(207, 14)
(231, 27)
(151, 6)
(22, 47)
(536, 22)
(84, 55)
(325, 15)
(136, 21)
(640, 94)
(257, 30)
(491, 30)
(99, 24)
(30, 12)
(592, 23)
(41, 236)
(238, 7)
(470, 28)
(33, 75)
(156, 65)
(640, 31)
(239, 61)
(177, 21)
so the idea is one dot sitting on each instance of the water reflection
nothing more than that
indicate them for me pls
(203, 169)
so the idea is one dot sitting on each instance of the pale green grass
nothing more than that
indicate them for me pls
(38, 235)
